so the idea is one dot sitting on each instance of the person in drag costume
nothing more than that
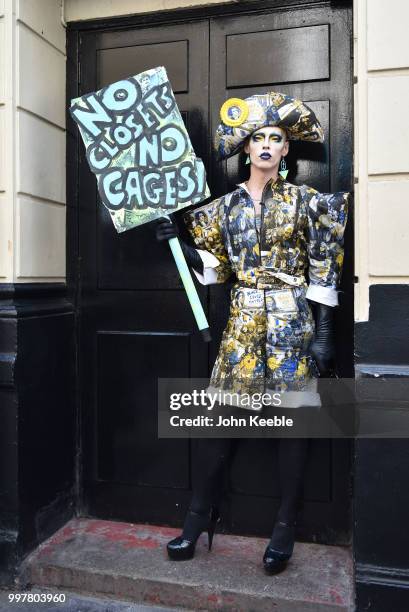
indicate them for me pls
(284, 243)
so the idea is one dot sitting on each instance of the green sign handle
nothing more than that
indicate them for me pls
(190, 288)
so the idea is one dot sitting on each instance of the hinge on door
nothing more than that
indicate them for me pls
(78, 282)
(79, 261)
(351, 484)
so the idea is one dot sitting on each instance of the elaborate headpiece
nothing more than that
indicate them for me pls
(240, 118)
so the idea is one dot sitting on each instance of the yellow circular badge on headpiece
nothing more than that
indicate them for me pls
(234, 112)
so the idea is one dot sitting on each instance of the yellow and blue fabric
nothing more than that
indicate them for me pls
(240, 118)
(270, 327)
(265, 343)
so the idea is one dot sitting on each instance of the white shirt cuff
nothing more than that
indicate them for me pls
(210, 262)
(322, 295)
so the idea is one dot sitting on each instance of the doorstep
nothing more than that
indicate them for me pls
(129, 562)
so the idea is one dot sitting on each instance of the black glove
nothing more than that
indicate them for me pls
(165, 230)
(322, 348)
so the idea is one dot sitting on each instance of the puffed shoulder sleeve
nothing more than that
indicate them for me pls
(204, 225)
(327, 217)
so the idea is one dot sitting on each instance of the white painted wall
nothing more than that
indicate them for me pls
(7, 70)
(76, 10)
(381, 146)
(32, 136)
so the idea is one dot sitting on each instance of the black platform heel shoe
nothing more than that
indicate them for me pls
(274, 559)
(183, 547)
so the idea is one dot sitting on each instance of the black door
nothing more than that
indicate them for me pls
(134, 321)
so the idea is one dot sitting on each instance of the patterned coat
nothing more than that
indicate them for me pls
(267, 337)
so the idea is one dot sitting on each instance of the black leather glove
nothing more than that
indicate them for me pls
(322, 348)
(165, 230)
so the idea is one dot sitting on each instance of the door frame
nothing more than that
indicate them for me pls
(76, 35)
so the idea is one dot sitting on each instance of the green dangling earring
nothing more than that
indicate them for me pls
(247, 160)
(283, 168)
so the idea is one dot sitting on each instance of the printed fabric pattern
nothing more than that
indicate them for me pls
(265, 343)
(274, 109)
(267, 337)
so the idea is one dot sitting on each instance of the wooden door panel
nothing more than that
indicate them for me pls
(118, 63)
(123, 263)
(283, 53)
(129, 364)
(135, 322)
(330, 83)
(263, 52)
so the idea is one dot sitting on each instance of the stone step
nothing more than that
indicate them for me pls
(129, 562)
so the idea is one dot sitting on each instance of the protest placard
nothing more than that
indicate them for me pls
(138, 147)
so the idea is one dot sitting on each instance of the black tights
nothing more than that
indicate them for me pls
(214, 453)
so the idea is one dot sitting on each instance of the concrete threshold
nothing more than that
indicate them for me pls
(129, 562)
